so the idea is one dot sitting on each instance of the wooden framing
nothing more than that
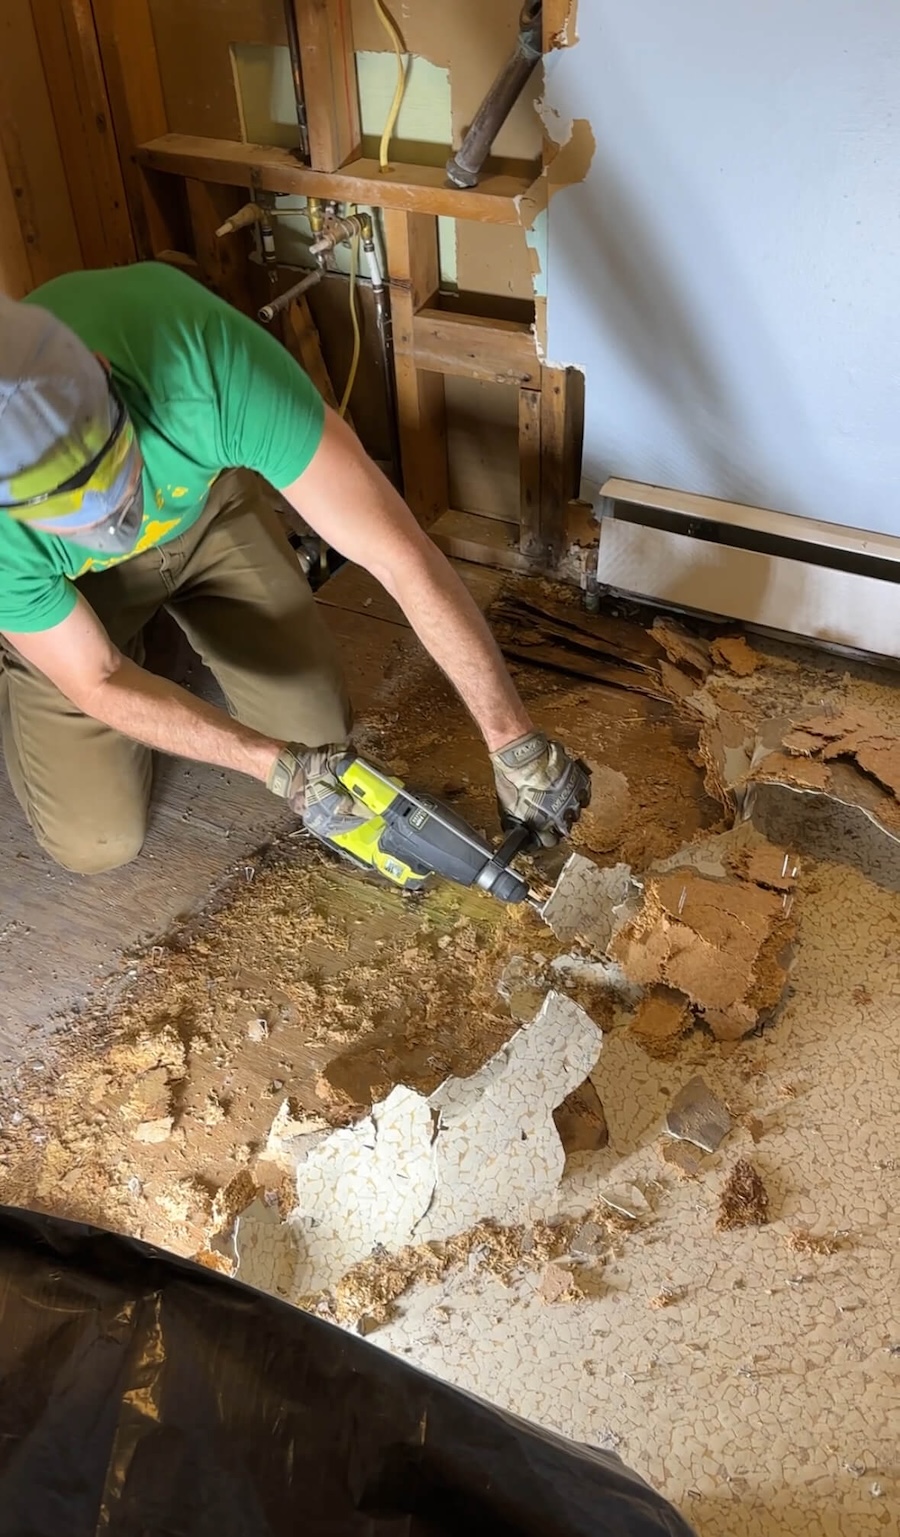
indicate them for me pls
(412, 188)
(529, 471)
(329, 81)
(471, 347)
(429, 342)
(222, 262)
(413, 264)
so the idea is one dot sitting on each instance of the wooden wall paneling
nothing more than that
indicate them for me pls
(413, 265)
(483, 447)
(329, 81)
(70, 55)
(30, 148)
(131, 68)
(15, 269)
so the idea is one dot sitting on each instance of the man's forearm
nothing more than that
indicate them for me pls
(165, 717)
(452, 628)
(354, 508)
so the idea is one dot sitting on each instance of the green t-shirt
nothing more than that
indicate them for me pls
(207, 390)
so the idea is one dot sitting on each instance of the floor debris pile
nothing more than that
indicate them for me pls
(745, 1200)
(719, 944)
(566, 1253)
(427, 1168)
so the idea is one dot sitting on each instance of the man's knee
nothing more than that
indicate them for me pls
(93, 851)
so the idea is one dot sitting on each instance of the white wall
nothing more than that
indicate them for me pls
(728, 274)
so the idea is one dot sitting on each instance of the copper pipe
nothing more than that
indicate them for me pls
(275, 306)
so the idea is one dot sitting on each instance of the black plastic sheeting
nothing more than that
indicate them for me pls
(143, 1396)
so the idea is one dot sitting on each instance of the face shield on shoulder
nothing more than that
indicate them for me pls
(70, 464)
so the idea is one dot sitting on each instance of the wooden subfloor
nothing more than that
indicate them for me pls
(60, 933)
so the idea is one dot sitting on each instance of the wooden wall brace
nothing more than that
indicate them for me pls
(413, 264)
(562, 421)
(329, 81)
(471, 347)
(530, 537)
(413, 188)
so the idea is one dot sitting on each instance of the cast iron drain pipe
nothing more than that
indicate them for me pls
(464, 168)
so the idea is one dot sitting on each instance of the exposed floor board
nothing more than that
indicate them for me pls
(59, 932)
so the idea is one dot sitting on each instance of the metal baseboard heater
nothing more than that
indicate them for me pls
(798, 576)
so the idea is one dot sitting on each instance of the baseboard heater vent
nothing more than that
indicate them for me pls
(824, 581)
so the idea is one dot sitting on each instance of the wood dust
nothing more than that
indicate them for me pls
(668, 1297)
(801, 1241)
(367, 1294)
(744, 1201)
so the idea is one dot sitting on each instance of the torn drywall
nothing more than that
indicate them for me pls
(425, 1168)
(560, 23)
(569, 149)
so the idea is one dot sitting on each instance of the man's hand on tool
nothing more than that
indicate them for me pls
(541, 785)
(306, 777)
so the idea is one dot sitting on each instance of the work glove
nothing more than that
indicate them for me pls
(541, 785)
(306, 777)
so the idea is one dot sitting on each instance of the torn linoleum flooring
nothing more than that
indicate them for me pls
(312, 987)
(247, 1042)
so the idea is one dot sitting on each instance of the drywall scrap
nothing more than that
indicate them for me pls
(560, 23)
(426, 1168)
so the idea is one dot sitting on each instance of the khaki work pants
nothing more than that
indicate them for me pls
(234, 585)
